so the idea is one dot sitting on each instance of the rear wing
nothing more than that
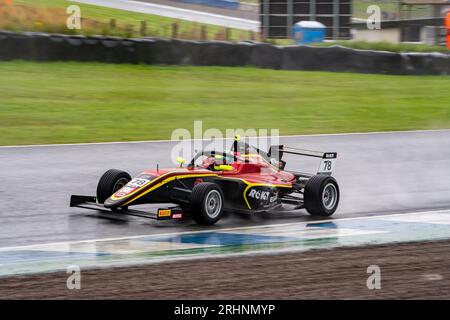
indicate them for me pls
(325, 167)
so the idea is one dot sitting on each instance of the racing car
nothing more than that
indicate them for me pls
(243, 179)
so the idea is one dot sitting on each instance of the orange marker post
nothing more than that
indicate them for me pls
(447, 26)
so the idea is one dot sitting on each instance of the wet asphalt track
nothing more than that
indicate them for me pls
(377, 173)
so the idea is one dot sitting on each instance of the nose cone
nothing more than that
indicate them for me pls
(110, 203)
(130, 190)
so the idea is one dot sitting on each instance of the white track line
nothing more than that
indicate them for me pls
(216, 230)
(175, 141)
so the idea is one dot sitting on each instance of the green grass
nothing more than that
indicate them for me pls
(385, 46)
(379, 46)
(157, 25)
(103, 14)
(87, 102)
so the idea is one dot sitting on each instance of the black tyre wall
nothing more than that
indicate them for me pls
(49, 47)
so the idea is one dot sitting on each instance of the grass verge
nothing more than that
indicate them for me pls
(50, 16)
(386, 46)
(87, 102)
(378, 46)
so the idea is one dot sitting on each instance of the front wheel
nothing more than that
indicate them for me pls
(206, 203)
(321, 195)
(111, 181)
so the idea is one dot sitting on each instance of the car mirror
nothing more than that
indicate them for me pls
(180, 160)
(223, 167)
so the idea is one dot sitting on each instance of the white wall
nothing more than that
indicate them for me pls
(387, 35)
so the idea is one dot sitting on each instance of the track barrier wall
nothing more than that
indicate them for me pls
(52, 47)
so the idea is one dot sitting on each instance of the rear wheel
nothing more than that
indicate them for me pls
(321, 195)
(206, 203)
(111, 181)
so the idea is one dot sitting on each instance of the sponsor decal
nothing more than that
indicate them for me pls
(137, 183)
(124, 191)
(164, 212)
(127, 189)
(259, 194)
(330, 155)
(133, 185)
(120, 194)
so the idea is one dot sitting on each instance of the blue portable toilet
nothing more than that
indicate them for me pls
(304, 32)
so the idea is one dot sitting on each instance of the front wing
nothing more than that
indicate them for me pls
(90, 202)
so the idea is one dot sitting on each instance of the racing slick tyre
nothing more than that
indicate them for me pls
(206, 203)
(321, 195)
(111, 181)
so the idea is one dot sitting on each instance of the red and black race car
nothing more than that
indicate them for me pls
(244, 179)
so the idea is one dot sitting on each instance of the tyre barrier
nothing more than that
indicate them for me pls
(54, 47)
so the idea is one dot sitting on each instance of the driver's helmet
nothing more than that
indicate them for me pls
(214, 163)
